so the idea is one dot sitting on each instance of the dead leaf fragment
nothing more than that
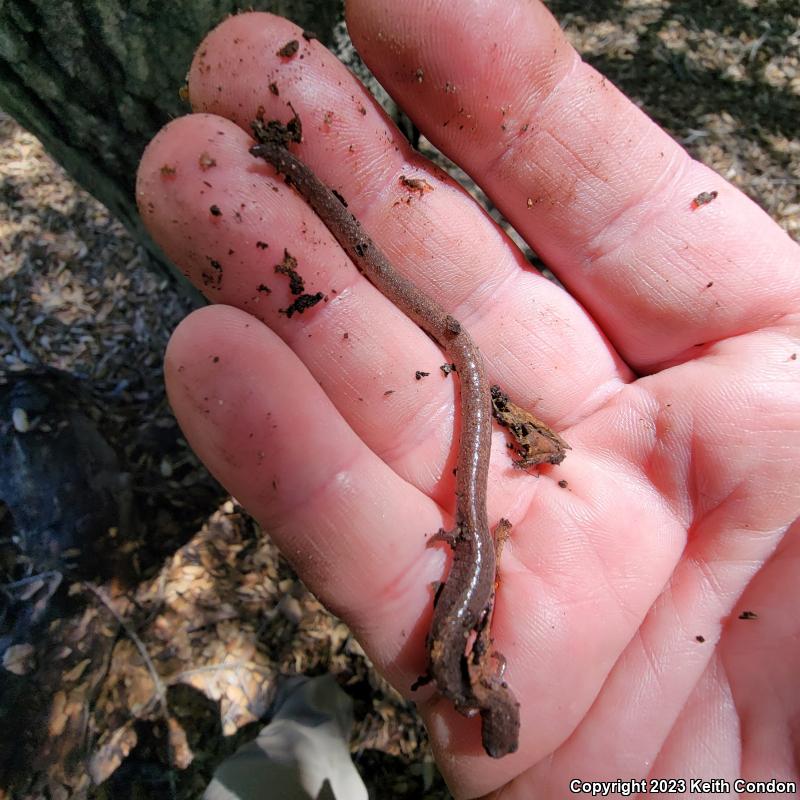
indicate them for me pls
(112, 752)
(536, 442)
(58, 715)
(75, 673)
(182, 755)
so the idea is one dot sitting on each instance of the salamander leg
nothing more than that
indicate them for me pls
(501, 533)
(451, 537)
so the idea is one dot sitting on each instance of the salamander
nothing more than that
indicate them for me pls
(461, 661)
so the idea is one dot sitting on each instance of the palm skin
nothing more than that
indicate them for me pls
(673, 376)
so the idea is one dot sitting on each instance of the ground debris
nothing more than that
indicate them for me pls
(211, 621)
(534, 441)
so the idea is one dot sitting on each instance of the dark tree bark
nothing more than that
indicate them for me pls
(94, 80)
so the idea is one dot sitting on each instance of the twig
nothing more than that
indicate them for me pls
(160, 688)
(756, 45)
(39, 576)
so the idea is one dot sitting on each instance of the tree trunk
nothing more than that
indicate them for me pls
(94, 80)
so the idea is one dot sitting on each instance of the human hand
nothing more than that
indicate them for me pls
(675, 382)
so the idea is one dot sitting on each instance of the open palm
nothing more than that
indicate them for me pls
(674, 377)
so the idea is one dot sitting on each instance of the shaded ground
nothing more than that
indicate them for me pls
(219, 614)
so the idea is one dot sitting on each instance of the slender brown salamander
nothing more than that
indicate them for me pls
(461, 661)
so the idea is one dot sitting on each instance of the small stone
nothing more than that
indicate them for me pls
(19, 416)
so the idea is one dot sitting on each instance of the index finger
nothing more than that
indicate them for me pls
(615, 207)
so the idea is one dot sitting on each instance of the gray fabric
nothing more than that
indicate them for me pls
(303, 753)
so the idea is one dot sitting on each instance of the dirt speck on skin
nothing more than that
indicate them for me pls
(288, 267)
(704, 198)
(289, 49)
(212, 278)
(303, 303)
(419, 185)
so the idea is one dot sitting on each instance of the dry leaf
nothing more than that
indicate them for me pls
(182, 755)
(113, 750)
(58, 715)
(75, 673)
